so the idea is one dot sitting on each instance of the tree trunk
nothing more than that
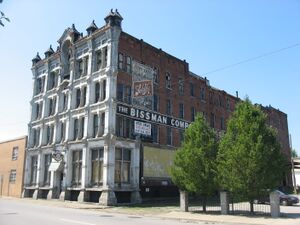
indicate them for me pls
(204, 203)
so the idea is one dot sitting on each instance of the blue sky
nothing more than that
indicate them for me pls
(209, 34)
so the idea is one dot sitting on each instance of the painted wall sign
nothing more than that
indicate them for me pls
(141, 71)
(142, 88)
(142, 82)
(150, 116)
(142, 128)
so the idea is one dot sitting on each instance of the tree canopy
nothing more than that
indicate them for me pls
(249, 159)
(194, 168)
(294, 153)
(2, 16)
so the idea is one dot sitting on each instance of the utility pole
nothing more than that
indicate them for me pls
(293, 169)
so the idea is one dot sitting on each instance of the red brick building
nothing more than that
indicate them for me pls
(109, 111)
(180, 93)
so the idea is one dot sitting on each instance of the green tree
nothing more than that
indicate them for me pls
(294, 153)
(249, 159)
(194, 168)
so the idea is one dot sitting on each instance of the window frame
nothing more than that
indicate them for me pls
(15, 153)
(192, 89)
(47, 173)
(98, 57)
(181, 110)
(99, 161)
(128, 64)
(181, 86)
(77, 168)
(33, 169)
(13, 176)
(168, 80)
(193, 113)
(169, 107)
(123, 177)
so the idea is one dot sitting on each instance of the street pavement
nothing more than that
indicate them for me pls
(20, 212)
(42, 212)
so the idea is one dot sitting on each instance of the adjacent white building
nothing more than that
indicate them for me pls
(72, 152)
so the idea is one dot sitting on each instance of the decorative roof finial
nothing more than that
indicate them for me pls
(91, 28)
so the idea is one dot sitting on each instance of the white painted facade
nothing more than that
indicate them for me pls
(62, 104)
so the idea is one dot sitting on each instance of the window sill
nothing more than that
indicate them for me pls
(45, 187)
(34, 148)
(94, 188)
(82, 77)
(54, 89)
(78, 109)
(30, 187)
(98, 103)
(75, 188)
(36, 120)
(95, 138)
(48, 145)
(99, 71)
(63, 112)
(38, 95)
(77, 141)
(50, 116)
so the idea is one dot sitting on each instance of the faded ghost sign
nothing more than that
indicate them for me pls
(142, 88)
(142, 78)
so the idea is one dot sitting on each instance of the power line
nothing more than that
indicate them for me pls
(253, 58)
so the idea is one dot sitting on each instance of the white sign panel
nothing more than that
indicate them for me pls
(142, 128)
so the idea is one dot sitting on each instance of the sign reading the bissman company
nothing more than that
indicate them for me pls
(150, 116)
(142, 128)
(142, 82)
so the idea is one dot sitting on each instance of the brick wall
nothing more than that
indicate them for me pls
(144, 53)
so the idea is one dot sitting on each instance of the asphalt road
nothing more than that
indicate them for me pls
(14, 212)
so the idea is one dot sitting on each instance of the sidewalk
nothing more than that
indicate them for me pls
(172, 212)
